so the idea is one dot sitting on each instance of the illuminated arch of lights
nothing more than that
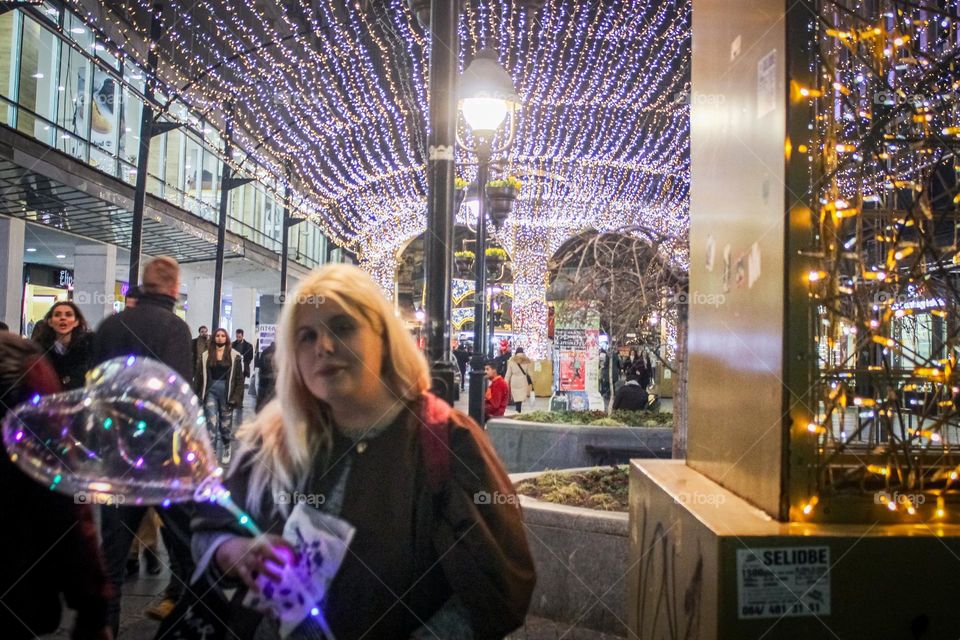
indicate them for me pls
(337, 92)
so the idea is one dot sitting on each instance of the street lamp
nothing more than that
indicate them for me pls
(487, 97)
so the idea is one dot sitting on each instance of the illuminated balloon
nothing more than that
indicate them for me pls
(134, 435)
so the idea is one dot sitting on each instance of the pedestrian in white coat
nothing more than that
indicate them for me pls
(518, 377)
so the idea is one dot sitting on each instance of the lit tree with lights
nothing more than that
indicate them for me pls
(630, 279)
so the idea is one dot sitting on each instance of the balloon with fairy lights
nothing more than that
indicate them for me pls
(133, 435)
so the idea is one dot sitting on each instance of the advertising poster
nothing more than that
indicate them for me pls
(577, 365)
(103, 114)
(266, 335)
(571, 370)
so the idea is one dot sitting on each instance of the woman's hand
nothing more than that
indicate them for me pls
(248, 558)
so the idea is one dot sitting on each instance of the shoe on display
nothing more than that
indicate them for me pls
(161, 610)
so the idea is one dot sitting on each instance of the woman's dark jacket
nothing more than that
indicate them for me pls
(72, 365)
(414, 546)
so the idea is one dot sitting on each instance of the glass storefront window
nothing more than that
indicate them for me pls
(73, 114)
(39, 57)
(132, 113)
(210, 183)
(9, 48)
(173, 167)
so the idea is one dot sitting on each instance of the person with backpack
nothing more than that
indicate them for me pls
(518, 378)
(354, 433)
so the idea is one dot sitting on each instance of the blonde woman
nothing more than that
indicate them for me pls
(439, 548)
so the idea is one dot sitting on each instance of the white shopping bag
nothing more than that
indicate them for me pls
(321, 541)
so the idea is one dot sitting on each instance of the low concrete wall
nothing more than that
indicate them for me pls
(535, 446)
(581, 560)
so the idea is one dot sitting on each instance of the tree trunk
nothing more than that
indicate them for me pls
(680, 386)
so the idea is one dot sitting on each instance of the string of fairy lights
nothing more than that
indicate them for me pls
(885, 289)
(337, 93)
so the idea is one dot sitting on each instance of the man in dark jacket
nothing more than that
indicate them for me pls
(245, 349)
(631, 396)
(268, 376)
(201, 343)
(149, 329)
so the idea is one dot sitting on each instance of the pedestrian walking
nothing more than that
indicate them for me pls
(245, 349)
(219, 385)
(518, 378)
(268, 376)
(149, 329)
(200, 344)
(67, 343)
(354, 422)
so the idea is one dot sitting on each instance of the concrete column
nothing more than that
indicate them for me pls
(11, 272)
(94, 280)
(244, 313)
(199, 304)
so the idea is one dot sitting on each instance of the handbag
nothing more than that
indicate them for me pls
(529, 379)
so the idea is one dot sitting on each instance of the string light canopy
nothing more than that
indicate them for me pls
(337, 91)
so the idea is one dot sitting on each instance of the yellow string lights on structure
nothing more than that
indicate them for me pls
(884, 284)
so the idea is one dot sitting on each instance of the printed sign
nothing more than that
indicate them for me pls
(783, 581)
(767, 84)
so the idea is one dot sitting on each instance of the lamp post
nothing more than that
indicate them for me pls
(487, 96)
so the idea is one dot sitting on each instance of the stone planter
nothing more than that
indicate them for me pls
(534, 446)
(581, 561)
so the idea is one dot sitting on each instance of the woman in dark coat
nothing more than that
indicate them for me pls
(439, 549)
(67, 343)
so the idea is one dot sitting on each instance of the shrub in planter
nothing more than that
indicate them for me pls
(604, 489)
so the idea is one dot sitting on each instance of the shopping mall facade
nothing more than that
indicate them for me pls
(70, 115)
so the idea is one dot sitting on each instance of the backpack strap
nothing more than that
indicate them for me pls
(434, 433)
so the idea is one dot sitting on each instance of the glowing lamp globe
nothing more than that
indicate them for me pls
(487, 94)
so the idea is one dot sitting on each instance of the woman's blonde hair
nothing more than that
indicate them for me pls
(295, 427)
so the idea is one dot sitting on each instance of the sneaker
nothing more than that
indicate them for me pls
(161, 610)
(225, 458)
(154, 566)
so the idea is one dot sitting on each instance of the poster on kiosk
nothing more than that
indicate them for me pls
(577, 359)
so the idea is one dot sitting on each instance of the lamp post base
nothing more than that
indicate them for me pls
(477, 387)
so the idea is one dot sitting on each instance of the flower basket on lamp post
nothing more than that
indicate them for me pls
(463, 261)
(495, 259)
(501, 196)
